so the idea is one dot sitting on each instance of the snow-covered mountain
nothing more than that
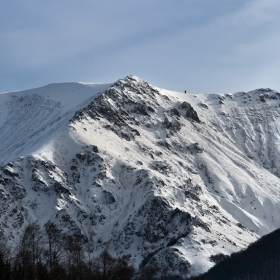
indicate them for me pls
(170, 178)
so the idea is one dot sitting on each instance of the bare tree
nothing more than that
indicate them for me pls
(54, 246)
(73, 247)
(29, 251)
(5, 266)
(106, 267)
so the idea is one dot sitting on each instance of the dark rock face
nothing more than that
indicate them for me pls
(172, 261)
(262, 97)
(108, 197)
(195, 149)
(10, 173)
(60, 189)
(190, 112)
(218, 258)
(141, 109)
(95, 149)
(173, 124)
(161, 167)
(171, 223)
(175, 112)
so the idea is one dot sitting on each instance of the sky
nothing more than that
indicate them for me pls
(202, 46)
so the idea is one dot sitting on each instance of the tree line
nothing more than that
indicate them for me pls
(48, 254)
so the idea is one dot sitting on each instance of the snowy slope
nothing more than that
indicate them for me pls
(30, 118)
(169, 178)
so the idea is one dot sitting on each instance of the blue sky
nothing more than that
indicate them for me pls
(198, 45)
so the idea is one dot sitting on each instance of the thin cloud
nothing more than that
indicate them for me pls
(208, 45)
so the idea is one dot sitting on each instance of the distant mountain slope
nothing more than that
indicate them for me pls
(162, 176)
(29, 118)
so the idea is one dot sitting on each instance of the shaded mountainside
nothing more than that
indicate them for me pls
(164, 177)
(260, 261)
